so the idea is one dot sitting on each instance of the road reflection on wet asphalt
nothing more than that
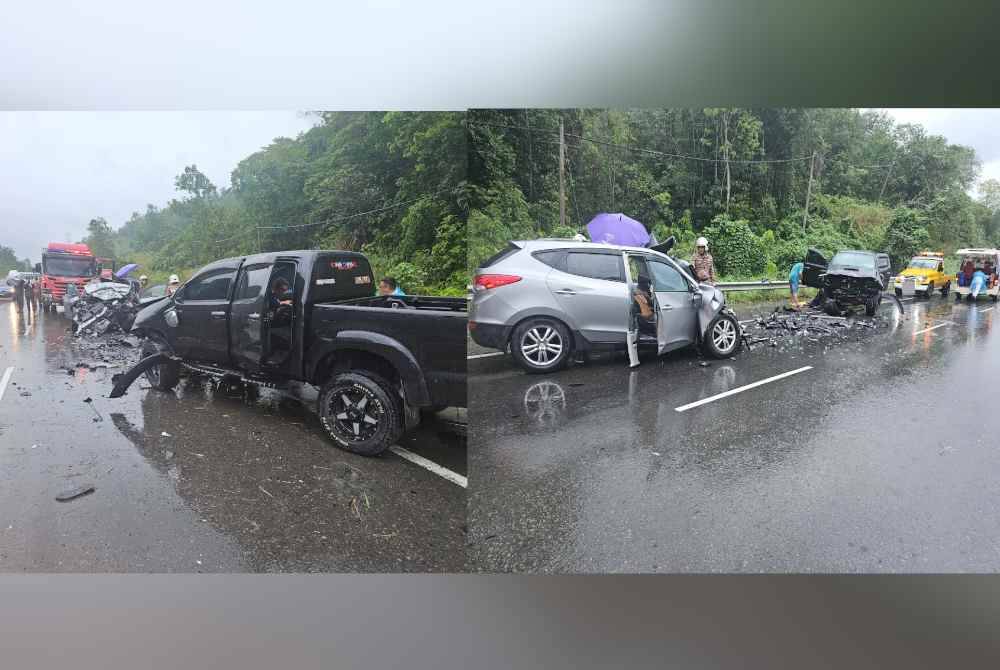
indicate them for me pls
(201, 480)
(880, 457)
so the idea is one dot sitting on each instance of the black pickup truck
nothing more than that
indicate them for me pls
(313, 317)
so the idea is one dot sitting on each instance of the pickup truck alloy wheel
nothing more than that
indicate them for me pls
(541, 345)
(361, 413)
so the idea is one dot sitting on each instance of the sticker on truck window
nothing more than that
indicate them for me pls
(325, 282)
(343, 265)
(365, 279)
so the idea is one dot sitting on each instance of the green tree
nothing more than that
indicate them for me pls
(100, 238)
(194, 182)
(907, 234)
(8, 261)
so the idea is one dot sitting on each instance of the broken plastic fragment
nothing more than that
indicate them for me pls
(75, 493)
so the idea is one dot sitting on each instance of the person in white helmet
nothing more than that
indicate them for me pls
(702, 263)
(143, 281)
(172, 284)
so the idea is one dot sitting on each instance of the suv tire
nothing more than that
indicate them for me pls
(722, 337)
(540, 344)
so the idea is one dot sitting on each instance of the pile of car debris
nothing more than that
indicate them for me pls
(784, 326)
(95, 353)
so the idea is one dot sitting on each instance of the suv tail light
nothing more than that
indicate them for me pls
(484, 282)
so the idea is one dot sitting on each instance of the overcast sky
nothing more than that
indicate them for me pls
(58, 170)
(976, 128)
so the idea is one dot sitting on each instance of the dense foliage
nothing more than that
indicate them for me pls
(9, 261)
(389, 184)
(739, 176)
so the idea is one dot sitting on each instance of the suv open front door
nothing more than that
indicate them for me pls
(631, 314)
(640, 290)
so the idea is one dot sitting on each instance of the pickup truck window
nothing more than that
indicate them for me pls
(213, 285)
(253, 281)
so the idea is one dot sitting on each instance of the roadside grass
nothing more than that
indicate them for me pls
(768, 295)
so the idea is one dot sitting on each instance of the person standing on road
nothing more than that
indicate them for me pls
(702, 262)
(794, 277)
(172, 284)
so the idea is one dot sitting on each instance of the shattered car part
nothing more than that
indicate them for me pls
(75, 493)
(123, 380)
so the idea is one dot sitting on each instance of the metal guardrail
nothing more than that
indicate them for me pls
(759, 285)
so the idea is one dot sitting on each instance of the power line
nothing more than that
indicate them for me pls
(642, 149)
(345, 217)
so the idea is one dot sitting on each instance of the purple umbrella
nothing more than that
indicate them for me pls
(125, 270)
(617, 229)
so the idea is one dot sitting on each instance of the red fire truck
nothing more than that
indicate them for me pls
(64, 263)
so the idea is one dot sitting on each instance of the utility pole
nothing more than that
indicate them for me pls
(885, 181)
(531, 159)
(562, 175)
(805, 214)
(725, 148)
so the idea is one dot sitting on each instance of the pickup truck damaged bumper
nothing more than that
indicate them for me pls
(124, 380)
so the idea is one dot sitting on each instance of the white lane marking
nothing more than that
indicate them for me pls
(494, 353)
(904, 299)
(6, 378)
(985, 310)
(440, 471)
(684, 408)
(940, 325)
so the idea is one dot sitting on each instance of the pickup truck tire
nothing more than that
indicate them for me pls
(540, 344)
(871, 305)
(361, 412)
(163, 377)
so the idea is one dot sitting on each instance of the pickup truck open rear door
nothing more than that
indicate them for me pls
(247, 316)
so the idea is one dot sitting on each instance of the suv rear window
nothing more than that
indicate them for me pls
(511, 248)
(555, 258)
(596, 266)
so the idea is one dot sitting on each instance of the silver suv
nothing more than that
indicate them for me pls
(544, 299)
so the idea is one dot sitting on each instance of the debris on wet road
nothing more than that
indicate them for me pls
(181, 476)
(863, 460)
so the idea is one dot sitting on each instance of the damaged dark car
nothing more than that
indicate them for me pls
(850, 279)
(311, 317)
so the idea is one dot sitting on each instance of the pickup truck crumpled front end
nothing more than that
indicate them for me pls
(851, 289)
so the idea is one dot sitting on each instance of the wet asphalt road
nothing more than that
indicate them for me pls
(198, 480)
(884, 457)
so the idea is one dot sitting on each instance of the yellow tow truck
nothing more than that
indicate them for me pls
(923, 275)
